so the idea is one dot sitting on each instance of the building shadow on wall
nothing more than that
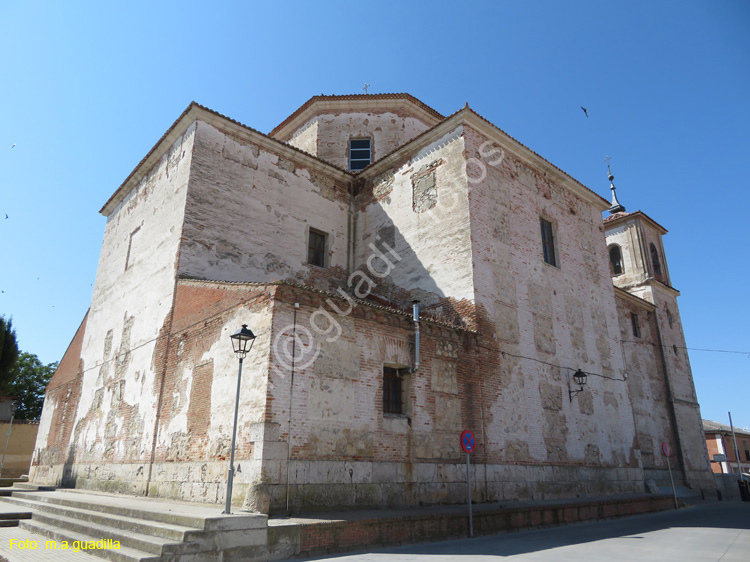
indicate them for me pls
(68, 478)
(387, 251)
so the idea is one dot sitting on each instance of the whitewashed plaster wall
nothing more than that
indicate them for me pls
(420, 209)
(249, 212)
(647, 384)
(634, 238)
(201, 446)
(306, 138)
(327, 136)
(687, 410)
(634, 267)
(129, 310)
(563, 315)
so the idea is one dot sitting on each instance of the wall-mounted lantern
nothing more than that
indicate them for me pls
(580, 379)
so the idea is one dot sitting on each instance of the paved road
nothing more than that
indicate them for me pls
(707, 532)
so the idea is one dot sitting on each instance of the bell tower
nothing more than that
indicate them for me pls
(638, 265)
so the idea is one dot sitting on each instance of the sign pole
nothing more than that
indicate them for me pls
(665, 448)
(468, 491)
(674, 491)
(468, 444)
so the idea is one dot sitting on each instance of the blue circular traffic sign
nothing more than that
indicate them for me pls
(468, 443)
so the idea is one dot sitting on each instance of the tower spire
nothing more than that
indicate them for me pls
(616, 207)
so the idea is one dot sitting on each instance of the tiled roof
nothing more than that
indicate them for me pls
(716, 427)
(322, 97)
(616, 216)
(229, 119)
(534, 152)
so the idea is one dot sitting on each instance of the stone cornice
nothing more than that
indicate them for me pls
(610, 222)
(321, 105)
(623, 294)
(308, 289)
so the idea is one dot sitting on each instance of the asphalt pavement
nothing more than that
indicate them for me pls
(718, 531)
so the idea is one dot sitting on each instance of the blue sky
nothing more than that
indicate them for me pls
(88, 88)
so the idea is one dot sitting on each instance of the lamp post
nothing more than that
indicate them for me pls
(580, 378)
(242, 342)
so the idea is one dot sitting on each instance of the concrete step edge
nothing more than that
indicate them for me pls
(191, 521)
(123, 554)
(153, 528)
(10, 515)
(34, 487)
(145, 543)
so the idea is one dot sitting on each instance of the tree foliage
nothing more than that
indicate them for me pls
(27, 384)
(8, 350)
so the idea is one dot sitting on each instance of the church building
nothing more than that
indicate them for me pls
(408, 276)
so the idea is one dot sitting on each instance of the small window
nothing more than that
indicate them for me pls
(655, 260)
(316, 248)
(548, 242)
(360, 154)
(636, 325)
(393, 390)
(615, 260)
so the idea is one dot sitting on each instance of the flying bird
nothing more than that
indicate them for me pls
(14, 145)
(6, 215)
(586, 111)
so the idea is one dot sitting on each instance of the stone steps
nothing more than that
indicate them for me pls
(111, 507)
(145, 530)
(158, 529)
(123, 554)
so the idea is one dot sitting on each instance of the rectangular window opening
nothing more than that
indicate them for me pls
(360, 153)
(394, 386)
(548, 242)
(316, 248)
(636, 325)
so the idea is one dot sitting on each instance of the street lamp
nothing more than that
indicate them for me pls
(242, 342)
(580, 379)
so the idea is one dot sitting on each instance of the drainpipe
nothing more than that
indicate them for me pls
(415, 308)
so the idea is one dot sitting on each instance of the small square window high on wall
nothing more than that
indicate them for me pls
(316, 248)
(360, 153)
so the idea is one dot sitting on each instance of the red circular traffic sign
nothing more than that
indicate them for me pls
(666, 449)
(468, 443)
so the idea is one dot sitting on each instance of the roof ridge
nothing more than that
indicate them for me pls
(194, 104)
(514, 139)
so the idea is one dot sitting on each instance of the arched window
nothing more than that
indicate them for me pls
(655, 260)
(615, 260)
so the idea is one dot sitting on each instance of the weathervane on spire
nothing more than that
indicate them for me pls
(366, 86)
(615, 207)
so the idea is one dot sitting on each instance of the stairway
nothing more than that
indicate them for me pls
(132, 529)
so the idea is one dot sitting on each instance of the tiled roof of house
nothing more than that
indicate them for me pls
(716, 427)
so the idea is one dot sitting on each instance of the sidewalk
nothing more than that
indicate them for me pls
(706, 532)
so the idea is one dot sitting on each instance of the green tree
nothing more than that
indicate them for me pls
(8, 349)
(27, 384)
